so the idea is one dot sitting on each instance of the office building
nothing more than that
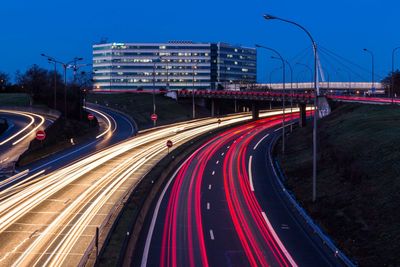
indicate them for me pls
(171, 66)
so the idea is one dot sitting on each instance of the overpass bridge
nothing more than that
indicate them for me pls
(254, 98)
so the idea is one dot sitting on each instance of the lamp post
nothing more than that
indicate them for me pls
(373, 67)
(51, 60)
(284, 90)
(306, 66)
(316, 94)
(349, 76)
(65, 66)
(193, 104)
(392, 80)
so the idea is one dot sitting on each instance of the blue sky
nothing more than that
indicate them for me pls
(66, 29)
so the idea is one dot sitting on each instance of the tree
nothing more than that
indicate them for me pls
(4, 81)
(387, 81)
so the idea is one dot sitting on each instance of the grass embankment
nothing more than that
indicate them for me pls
(140, 107)
(358, 180)
(14, 100)
(58, 138)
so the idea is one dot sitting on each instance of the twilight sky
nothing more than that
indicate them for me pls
(65, 29)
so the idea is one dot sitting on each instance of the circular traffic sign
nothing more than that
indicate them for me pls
(90, 116)
(40, 135)
(169, 144)
(154, 117)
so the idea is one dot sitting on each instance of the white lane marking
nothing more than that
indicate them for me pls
(208, 205)
(155, 214)
(213, 173)
(280, 128)
(209, 187)
(212, 235)
(251, 174)
(217, 162)
(222, 154)
(228, 147)
(259, 142)
(276, 237)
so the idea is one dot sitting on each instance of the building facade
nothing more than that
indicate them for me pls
(172, 65)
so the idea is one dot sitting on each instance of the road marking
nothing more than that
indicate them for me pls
(275, 236)
(209, 187)
(259, 142)
(222, 154)
(250, 174)
(208, 205)
(228, 147)
(213, 173)
(217, 162)
(212, 235)
(155, 214)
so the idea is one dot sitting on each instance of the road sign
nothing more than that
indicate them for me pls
(40, 135)
(169, 144)
(90, 117)
(154, 117)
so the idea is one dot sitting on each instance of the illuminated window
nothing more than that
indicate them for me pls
(162, 47)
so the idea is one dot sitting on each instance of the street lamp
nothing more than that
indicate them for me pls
(306, 66)
(392, 81)
(373, 68)
(193, 104)
(291, 89)
(284, 90)
(349, 75)
(51, 60)
(316, 94)
(65, 66)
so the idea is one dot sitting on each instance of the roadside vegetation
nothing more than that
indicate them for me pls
(35, 87)
(358, 179)
(140, 107)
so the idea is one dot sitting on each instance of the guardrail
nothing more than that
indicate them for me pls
(308, 220)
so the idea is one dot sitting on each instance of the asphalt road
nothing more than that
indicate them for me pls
(21, 131)
(114, 128)
(50, 220)
(223, 208)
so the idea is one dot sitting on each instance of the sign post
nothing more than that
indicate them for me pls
(154, 118)
(169, 145)
(40, 135)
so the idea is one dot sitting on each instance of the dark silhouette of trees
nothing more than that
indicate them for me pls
(39, 84)
(388, 80)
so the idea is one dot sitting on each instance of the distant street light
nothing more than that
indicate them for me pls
(373, 68)
(392, 80)
(65, 66)
(316, 93)
(284, 90)
(306, 66)
(51, 60)
(193, 104)
(349, 75)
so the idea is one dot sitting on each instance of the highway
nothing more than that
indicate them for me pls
(50, 219)
(15, 140)
(114, 128)
(223, 207)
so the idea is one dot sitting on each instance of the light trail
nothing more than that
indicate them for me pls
(105, 117)
(183, 207)
(105, 173)
(28, 115)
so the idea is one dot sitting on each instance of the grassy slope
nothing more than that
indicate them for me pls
(140, 107)
(17, 99)
(358, 180)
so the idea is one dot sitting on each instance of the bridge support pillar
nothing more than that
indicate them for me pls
(303, 115)
(255, 110)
